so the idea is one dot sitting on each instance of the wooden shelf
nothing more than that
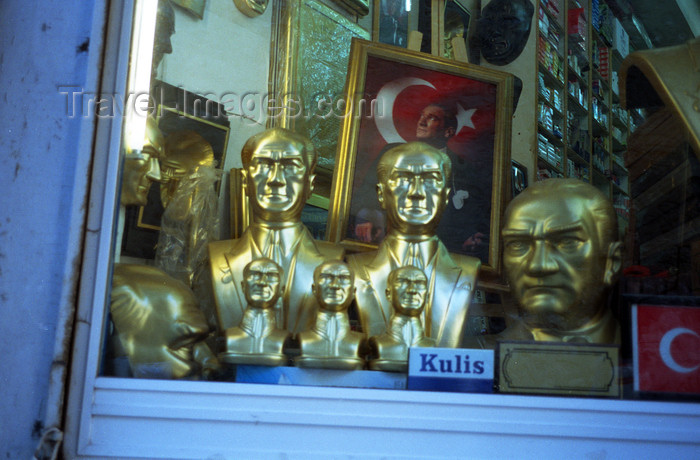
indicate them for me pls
(581, 129)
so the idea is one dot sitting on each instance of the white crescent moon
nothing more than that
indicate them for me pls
(665, 349)
(386, 98)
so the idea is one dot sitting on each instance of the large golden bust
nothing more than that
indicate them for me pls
(561, 256)
(278, 168)
(158, 323)
(413, 191)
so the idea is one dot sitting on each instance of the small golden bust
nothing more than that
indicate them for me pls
(407, 289)
(330, 343)
(258, 340)
(278, 167)
(561, 256)
(413, 191)
(157, 322)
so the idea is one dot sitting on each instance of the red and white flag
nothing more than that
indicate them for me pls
(666, 342)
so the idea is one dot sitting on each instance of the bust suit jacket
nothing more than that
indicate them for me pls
(227, 258)
(451, 281)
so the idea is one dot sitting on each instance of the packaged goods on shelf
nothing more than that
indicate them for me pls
(620, 38)
(577, 24)
(604, 61)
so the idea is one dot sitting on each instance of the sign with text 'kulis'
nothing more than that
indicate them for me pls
(450, 369)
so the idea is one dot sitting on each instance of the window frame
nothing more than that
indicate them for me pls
(117, 417)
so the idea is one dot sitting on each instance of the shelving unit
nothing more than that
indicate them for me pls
(581, 128)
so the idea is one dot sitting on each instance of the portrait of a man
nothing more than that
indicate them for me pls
(454, 114)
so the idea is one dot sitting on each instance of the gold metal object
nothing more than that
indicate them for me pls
(358, 7)
(157, 322)
(251, 8)
(308, 65)
(257, 340)
(673, 74)
(406, 291)
(240, 207)
(561, 256)
(413, 191)
(188, 193)
(278, 168)
(141, 168)
(185, 151)
(330, 343)
(559, 368)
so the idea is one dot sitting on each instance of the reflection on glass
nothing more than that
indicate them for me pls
(393, 22)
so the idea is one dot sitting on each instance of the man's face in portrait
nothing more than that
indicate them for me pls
(407, 290)
(503, 30)
(414, 194)
(554, 261)
(334, 286)
(262, 280)
(431, 127)
(278, 180)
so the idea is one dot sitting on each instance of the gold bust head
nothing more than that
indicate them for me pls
(407, 289)
(142, 168)
(185, 151)
(334, 285)
(561, 253)
(262, 283)
(278, 167)
(412, 187)
(157, 321)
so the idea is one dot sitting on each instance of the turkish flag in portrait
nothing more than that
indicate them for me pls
(666, 348)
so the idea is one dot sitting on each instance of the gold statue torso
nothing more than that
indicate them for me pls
(390, 350)
(256, 341)
(451, 281)
(302, 254)
(331, 343)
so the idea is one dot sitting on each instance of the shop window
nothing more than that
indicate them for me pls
(198, 323)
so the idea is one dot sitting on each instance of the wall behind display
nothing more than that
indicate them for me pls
(223, 57)
(523, 67)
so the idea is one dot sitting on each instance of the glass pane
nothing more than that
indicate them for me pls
(279, 223)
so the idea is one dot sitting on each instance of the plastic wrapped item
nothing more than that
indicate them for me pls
(189, 223)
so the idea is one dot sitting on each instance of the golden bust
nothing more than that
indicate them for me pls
(185, 153)
(278, 167)
(561, 256)
(257, 340)
(188, 193)
(413, 191)
(157, 322)
(330, 343)
(141, 167)
(407, 289)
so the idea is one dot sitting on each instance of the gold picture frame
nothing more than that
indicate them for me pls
(386, 89)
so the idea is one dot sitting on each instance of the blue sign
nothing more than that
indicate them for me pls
(451, 369)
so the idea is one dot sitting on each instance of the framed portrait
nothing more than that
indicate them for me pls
(389, 91)
(175, 110)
